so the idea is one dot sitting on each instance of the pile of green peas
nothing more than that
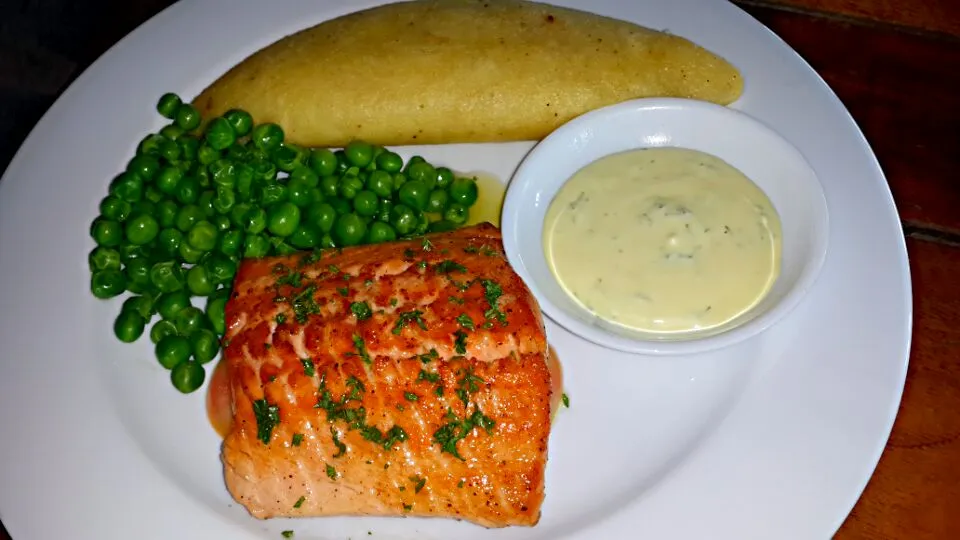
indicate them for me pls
(194, 201)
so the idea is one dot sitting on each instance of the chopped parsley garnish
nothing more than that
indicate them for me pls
(456, 300)
(294, 279)
(409, 253)
(361, 310)
(465, 321)
(310, 258)
(439, 391)
(331, 472)
(422, 265)
(400, 407)
(367, 282)
(286, 534)
(393, 302)
(361, 347)
(410, 396)
(460, 343)
(299, 502)
(566, 400)
(341, 448)
(418, 483)
(469, 384)
(458, 428)
(446, 267)
(487, 252)
(333, 269)
(280, 318)
(431, 355)
(426, 244)
(355, 417)
(304, 304)
(471, 249)
(297, 439)
(407, 507)
(308, 367)
(461, 483)
(406, 317)
(344, 291)
(492, 291)
(461, 286)
(429, 377)
(268, 416)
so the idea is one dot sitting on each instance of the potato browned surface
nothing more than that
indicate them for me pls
(445, 71)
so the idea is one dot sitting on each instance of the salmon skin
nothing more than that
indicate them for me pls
(402, 379)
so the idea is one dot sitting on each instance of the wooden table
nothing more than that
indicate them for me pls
(896, 66)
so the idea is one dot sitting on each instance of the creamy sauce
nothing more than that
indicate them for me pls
(663, 240)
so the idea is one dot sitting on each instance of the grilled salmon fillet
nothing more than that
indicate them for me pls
(401, 379)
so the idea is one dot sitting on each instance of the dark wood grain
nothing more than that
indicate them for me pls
(942, 16)
(914, 491)
(901, 88)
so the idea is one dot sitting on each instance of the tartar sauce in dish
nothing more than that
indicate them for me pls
(665, 240)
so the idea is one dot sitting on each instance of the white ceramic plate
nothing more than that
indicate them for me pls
(775, 438)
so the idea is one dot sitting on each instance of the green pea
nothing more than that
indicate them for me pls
(359, 153)
(414, 194)
(322, 161)
(167, 213)
(172, 350)
(231, 243)
(140, 304)
(152, 194)
(106, 232)
(168, 105)
(143, 165)
(187, 217)
(162, 329)
(189, 254)
(328, 186)
(342, 162)
(349, 229)
(169, 150)
(326, 241)
(437, 202)
(107, 283)
(223, 200)
(399, 179)
(172, 132)
(207, 155)
(244, 174)
(220, 269)
(349, 186)
(255, 246)
(306, 236)
(267, 137)
(168, 241)
(281, 247)
(283, 218)
(298, 193)
(240, 121)
(316, 196)
(128, 326)
(366, 203)
(168, 179)
(150, 145)
(203, 235)
(221, 222)
(390, 162)
(189, 320)
(142, 229)
(188, 117)
(187, 376)
(442, 226)
(188, 147)
(103, 258)
(264, 170)
(167, 276)
(127, 186)
(380, 232)
(219, 134)
(255, 220)
(413, 161)
(188, 191)
(114, 208)
(456, 213)
(423, 223)
(288, 157)
(381, 183)
(464, 191)
(273, 194)
(223, 173)
(383, 210)
(205, 203)
(205, 345)
(444, 177)
(215, 313)
(322, 216)
(142, 208)
(238, 214)
(341, 206)
(198, 281)
(129, 252)
(404, 219)
(137, 272)
(423, 172)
